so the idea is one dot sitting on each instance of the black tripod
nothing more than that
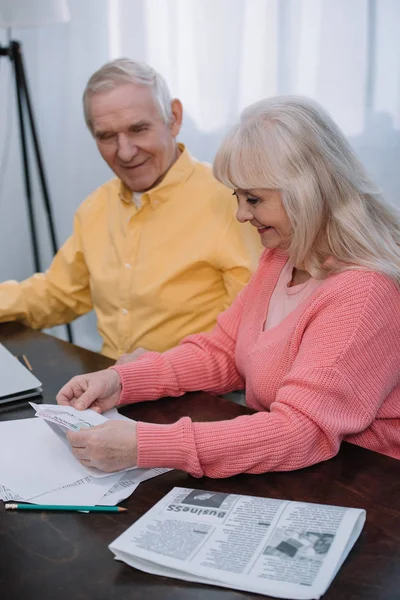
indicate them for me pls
(14, 53)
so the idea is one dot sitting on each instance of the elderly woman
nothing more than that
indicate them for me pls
(314, 337)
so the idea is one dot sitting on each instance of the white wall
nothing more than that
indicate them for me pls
(217, 56)
(58, 61)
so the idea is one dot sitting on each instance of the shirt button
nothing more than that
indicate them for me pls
(128, 265)
(124, 311)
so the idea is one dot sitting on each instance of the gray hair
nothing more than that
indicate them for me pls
(338, 218)
(123, 71)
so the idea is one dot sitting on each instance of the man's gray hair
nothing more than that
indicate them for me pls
(123, 71)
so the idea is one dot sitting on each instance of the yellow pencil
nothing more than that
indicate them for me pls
(28, 364)
(24, 361)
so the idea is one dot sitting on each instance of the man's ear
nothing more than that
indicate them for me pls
(176, 118)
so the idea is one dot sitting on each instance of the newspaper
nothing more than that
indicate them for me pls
(267, 546)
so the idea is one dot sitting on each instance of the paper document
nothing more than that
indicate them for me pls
(64, 418)
(263, 545)
(38, 466)
(33, 460)
(127, 484)
(86, 492)
(68, 417)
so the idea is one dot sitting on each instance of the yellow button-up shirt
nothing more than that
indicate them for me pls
(153, 273)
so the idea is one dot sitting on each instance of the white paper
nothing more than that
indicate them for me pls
(63, 418)
(128, 483)
(114, 415)
(68, 417)
(6, 494)
(33, 460)
(118, 493)
(85, 492)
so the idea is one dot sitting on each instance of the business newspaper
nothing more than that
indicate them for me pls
(280, 548)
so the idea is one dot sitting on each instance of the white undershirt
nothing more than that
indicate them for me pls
(137, 199)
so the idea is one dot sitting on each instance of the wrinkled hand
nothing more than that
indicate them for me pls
(125, 358)
(99, 391)
(109, 447)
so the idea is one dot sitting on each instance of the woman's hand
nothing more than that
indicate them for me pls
(109, 447)
(99, 391)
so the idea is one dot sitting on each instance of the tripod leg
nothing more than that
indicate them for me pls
(19, 59)
(27, 178)
(22, 87)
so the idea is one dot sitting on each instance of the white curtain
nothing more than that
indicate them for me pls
(217, 56)
(220, 55)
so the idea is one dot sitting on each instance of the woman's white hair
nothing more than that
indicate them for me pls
(123, 71)
(338, 218)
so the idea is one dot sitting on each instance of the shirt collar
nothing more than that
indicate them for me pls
(178, 173)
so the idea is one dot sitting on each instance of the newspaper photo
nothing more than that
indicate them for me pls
(273, 547)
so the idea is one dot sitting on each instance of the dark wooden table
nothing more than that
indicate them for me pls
(64, 556)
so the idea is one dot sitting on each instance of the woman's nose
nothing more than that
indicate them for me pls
(243, 213)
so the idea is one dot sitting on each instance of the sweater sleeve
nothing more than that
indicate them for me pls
(201, 362)
(334, 389)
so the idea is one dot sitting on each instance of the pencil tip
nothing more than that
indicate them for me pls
(120, 509)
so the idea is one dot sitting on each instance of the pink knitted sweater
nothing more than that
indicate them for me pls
(330, 371)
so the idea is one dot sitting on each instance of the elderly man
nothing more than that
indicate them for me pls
(156, 251)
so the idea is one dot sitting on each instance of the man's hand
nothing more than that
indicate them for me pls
(99, 391)
(109, 447)
(125, 358)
